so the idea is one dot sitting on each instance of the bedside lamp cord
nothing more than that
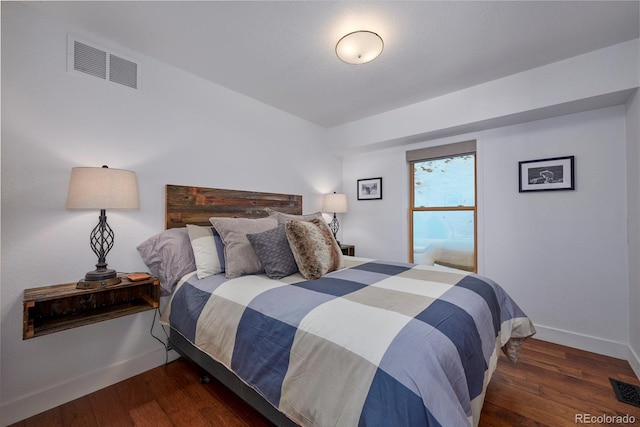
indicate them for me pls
(166, 344)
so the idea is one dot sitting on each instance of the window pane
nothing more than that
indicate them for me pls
(444, 238)
(445, 182)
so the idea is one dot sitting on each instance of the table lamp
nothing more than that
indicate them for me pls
(336, 203)
(102, 188)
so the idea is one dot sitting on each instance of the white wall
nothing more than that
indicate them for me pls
(564, 253)
(179, 129)
(377, 228)
(561, 255)
(633, 221)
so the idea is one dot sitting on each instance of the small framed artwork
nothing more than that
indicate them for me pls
(370, 189)
(547, 174)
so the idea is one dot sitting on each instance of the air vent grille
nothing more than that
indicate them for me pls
(123, 72)
(95, 61)
(88, 59)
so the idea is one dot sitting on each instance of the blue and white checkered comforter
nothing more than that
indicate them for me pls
(375, 344)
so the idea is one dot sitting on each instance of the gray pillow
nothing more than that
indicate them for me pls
(315, 250)
(272, 248)
(284, 217)
(240, 257)
(169, 256)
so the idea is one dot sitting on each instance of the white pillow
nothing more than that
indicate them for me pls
(204, 250)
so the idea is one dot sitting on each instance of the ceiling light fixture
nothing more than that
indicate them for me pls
(359, 47)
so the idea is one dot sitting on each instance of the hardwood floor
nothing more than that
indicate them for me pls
(550, 385)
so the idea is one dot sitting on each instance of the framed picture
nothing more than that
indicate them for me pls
(547, 174)
(370, 189)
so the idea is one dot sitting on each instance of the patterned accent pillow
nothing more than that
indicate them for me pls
(239, 255)
(314, 248)
(283, 218)
(205, 250)
(272, 247)
(169, 256)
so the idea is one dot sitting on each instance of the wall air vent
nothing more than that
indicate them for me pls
(90, 60)
(98, 62)
(123, 71)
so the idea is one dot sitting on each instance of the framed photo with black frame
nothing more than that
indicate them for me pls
(556, 173)
(370, 189)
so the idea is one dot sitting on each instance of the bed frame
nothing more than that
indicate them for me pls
(195, 205)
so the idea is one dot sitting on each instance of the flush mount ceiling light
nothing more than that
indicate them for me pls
(359, 47)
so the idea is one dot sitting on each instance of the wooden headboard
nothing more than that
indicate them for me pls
(195, 205)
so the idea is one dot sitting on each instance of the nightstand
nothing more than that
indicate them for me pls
(349, 250)
(54, 308)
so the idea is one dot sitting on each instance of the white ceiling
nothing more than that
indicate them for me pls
(282, 53)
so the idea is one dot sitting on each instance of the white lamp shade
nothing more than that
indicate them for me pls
(359, 47)
(336, 203)
(102, 188)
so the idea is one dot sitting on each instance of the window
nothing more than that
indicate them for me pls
(443, 206)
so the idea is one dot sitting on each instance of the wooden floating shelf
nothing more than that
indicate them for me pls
(50, 309)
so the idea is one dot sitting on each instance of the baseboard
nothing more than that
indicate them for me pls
(583, 342)
(592, 344)
(43, 400)
(634, 361)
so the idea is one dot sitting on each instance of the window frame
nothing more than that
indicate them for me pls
(436, 153)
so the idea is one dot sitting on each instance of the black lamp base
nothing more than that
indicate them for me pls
(100, 274)
(334, 225)
(98, 279)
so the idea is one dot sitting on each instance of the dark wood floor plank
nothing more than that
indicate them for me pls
(108, 408)
(550, 349)
(501, 417)
(172, 399)
(549, 363)
(548, 387)
(78, 413)
(507, 378)
(150, 414)
(528, 405)
(50, 418)
(134, 392)
(628, 377)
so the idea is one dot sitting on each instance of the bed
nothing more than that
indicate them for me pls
(343, 341)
